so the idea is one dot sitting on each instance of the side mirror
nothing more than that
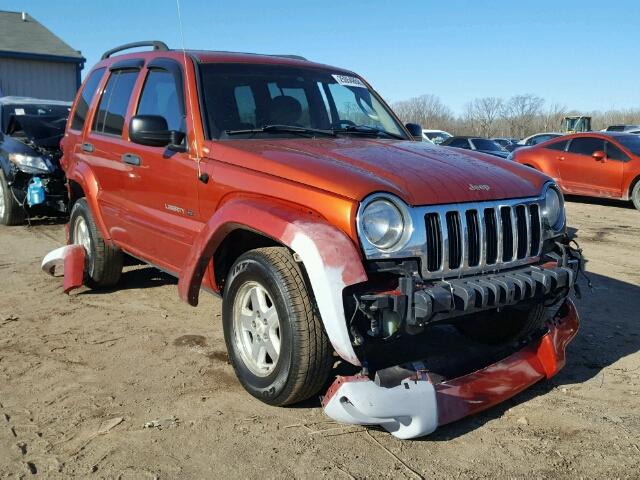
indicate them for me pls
(152, 130)
(599, 156)
(415, 130)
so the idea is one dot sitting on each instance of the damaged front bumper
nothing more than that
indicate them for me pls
(409, 403)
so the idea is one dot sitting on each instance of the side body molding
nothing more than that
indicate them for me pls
(330, 258)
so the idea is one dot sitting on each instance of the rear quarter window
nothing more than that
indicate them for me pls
(586, 145)
(84, 100)
(562, 145)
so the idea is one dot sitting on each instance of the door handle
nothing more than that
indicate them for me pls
(87, 147)
(561, 158)
(131, 159)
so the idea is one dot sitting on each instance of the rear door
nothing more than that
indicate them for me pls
(577, 167)
(161, 189)
(103, 147)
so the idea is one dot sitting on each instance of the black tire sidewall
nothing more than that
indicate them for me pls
(12, 214)
(635, 195)
(251, 267)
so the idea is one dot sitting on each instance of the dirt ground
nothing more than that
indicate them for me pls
(81, 375)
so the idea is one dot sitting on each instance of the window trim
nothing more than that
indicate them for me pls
(131, 95)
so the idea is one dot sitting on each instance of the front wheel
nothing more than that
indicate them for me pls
(11, 212)
(274, 336)
(635, 195)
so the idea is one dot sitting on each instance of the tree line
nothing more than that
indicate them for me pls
(518, 116)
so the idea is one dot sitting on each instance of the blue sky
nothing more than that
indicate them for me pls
(582, 54)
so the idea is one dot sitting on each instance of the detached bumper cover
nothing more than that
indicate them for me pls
(71, 258)
(417, 406)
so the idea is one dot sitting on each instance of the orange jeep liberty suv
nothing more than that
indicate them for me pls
(435, 280)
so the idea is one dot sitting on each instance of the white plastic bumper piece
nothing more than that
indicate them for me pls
(53, 262)
(408, 410)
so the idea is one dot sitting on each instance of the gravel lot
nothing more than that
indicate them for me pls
(81, 375)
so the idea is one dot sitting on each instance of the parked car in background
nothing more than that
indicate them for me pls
(598, 164)
(478, 144)
(436, 136)
(31, 180)
(534, 140)
(325, 227)
(623, 128)
(505, 142)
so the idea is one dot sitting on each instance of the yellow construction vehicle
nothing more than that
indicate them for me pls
(576, 124)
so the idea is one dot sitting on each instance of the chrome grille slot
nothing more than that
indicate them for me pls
(521, 222)
(455, 239)
(491, 233)
(473, 238)
(534, 220)
(506, 227)
(434, 242)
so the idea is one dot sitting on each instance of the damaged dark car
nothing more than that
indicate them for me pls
(31, 180)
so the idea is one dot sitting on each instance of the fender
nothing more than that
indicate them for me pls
(330, 258)
(83, 176)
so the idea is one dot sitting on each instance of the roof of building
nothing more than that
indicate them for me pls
(13, 100)
(23, 35)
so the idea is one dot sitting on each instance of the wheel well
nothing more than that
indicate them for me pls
(75, 193)
(235, 244)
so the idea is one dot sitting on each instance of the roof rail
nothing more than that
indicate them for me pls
(156, 44)
(295, 57)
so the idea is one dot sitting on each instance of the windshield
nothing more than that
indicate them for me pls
(241, 100)
(630, 142)
(489, 145)
(55, 111)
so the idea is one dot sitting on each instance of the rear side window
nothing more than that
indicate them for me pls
(586, 145)
(562, 146)
(614, 153)
(459, 142)
(160, 96)
(114, 102)
(88, 92)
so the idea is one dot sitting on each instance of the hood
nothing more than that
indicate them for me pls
(417, 172)
(495, 153)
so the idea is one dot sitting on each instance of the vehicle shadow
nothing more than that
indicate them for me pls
(137, 279)
(608, 317)
(45, 221)
(606, 202)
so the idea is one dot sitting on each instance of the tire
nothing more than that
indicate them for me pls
(263, 283)
(635, 195)
(103, 264)
(11, 212)
(510, 324)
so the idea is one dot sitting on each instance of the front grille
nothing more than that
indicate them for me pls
(463, 239)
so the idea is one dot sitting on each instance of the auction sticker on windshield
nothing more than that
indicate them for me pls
(348, 81)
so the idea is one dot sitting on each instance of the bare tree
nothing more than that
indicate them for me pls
(520, 111)
(426, 110)
(482, 113)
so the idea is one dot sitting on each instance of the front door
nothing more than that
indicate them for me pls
(161, 191)
(577, 166)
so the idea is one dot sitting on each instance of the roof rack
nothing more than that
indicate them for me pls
(295, 57)
(156, 44)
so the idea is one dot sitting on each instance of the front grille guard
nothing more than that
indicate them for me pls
(471, 234)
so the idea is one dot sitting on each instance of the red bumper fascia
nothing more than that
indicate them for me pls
(463, 396)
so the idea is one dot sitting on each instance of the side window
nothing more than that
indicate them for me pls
(586, 145)
(614, 153)
(246, 106)
(460, 143)
(84, 100)
(562, 145)
(160, 96)
(113, 104)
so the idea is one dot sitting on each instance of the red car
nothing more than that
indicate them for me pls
(597, 164)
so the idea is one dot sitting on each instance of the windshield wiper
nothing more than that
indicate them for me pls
(367, 130)
(282, 129)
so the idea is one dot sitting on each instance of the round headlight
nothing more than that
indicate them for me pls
(553, 210)
(382, 224)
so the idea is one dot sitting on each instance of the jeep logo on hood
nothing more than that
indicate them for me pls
(475, 188)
